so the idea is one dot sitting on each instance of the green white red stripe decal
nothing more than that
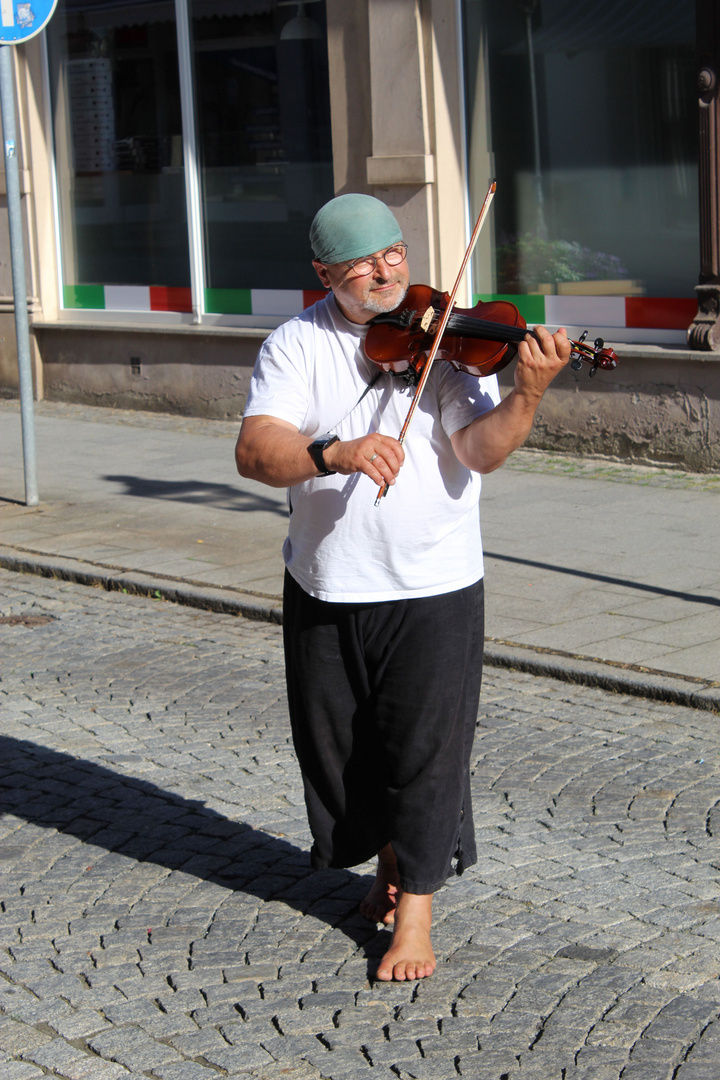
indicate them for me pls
(662, 320)
(277, 303)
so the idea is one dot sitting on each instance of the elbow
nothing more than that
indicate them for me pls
(245, 461)
(482, 461)
(241, 463)
(490, 465)
(476, 455)
(249, 469)
(484, 468)
(251, 465)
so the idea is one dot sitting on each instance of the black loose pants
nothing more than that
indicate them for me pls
(383, 706)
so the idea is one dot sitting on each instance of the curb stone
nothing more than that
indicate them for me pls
(225, 601)
(626, 679)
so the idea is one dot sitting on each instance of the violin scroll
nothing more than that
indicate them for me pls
(597, 355)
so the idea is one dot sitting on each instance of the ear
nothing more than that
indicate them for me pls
(321, 271)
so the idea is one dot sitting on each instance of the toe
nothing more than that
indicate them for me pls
(371, 912)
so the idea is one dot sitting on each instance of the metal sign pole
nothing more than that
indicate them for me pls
(17, 255)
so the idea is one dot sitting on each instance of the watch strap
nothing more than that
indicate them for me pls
(315, 450)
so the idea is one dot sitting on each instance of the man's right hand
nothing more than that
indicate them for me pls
(275, 453)
(378, 456)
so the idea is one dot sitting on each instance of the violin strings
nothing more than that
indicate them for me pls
(483, 328)
(492, 331)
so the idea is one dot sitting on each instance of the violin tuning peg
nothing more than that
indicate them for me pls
(583, 336)
(593, 371)
(576, 364)
(599, 343)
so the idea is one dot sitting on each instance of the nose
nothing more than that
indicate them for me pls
(381, 267)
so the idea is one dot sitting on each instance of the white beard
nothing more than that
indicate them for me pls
(381, 306)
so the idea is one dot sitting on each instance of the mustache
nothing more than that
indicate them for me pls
(396, 279)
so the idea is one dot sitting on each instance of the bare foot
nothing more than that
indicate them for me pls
(380, 903)
(410, 956)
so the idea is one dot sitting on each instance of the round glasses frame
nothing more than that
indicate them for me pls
(392, 256)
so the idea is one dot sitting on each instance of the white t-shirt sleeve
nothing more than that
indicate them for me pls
(280, 385)
(464, 397)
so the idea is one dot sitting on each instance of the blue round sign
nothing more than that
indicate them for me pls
(21, 20)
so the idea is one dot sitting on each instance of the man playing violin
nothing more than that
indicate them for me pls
(383, 605)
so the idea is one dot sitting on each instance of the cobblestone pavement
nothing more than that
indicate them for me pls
(160, 918)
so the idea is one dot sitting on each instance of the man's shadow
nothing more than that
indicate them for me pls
(135, 818)
(199, 493)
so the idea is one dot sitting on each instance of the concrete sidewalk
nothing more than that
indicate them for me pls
(597, 572)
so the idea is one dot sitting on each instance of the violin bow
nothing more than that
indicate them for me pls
(441, 326)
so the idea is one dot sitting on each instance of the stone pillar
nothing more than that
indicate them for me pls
(704, 332)
(401, 168)
(349, 60)
(417, 165)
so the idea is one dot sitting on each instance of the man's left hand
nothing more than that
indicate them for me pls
(539, 361)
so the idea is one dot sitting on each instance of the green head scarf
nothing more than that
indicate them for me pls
(351, 226)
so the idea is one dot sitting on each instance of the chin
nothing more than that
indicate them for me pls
(387, 301)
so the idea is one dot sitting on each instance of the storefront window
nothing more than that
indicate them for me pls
(118, 141)
(254, 95)
(263, 117)
(586, 115)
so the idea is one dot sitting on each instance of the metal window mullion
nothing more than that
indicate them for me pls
(462, 99)
(193, 199)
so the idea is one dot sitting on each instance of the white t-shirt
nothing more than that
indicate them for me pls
(424, 537)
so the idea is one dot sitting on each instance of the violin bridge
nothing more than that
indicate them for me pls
(426, 321)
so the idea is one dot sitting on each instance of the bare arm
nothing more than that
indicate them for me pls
(275, 453)
(485, 443)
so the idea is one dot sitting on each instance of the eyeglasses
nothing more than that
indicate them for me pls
(366, 265)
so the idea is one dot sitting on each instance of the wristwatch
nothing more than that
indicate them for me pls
(315, 450)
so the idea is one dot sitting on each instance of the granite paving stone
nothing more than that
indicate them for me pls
(19, 1070)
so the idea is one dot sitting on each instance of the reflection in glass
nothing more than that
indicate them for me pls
(593, 141)
(118, 143)
(263, 120)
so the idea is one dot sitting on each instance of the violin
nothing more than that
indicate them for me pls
(480, 341)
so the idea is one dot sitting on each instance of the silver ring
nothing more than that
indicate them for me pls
(373, 457)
